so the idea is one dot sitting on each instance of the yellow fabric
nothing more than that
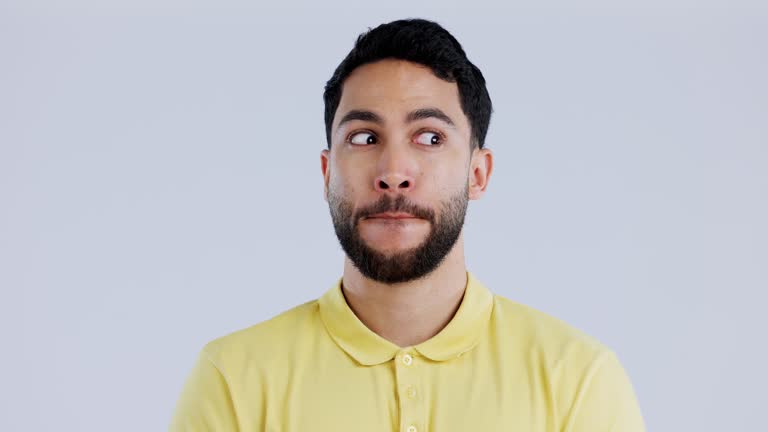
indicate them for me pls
(498, 365)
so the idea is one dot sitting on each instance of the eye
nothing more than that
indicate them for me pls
(362, 138)
(429, 138)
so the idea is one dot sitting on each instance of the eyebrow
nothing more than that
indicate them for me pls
(419, 114)
(424, 113)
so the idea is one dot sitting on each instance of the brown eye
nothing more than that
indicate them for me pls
(429, 139)
(362, 138)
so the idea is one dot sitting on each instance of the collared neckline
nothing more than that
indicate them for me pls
(460, 335)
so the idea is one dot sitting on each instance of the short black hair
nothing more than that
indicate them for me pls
(424, 42)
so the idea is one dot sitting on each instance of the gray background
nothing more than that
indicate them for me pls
(160, 186)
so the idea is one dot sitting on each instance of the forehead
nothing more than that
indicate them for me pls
(393, 87)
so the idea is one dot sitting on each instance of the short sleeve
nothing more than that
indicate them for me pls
(606, 400)
(205, 403)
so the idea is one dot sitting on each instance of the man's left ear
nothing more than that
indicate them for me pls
(480, 169)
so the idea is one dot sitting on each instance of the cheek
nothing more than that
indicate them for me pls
(447, 177)
(348, 176)
(341, 185)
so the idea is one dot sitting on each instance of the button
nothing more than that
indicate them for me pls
(407, 359)
(411, 428)
(410, 392)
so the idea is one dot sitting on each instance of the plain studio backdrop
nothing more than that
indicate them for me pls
(160, 186)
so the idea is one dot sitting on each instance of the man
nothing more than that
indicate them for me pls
(407, 339)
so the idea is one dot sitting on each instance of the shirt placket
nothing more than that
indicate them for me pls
(407, 365)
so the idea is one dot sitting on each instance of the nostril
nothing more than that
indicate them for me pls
(383, 184)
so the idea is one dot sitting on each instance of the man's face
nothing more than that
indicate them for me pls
(397, 176)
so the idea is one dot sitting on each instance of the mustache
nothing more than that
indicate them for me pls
(400, 204)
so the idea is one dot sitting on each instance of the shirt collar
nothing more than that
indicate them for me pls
(460, 335)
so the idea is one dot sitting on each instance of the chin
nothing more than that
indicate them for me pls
(392, 249)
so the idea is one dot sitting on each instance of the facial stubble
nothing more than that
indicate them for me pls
(407, 265)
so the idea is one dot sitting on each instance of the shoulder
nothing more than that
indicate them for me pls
(265, 341)
(576, 367)
(555, 343)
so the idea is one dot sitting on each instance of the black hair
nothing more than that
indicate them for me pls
(424, 42)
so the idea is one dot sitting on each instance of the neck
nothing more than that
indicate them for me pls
(408, 313)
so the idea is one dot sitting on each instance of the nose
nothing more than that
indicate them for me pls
(396, 172)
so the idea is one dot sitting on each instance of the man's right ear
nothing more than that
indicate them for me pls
(325, 162)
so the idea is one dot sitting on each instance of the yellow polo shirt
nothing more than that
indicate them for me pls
(497, 366)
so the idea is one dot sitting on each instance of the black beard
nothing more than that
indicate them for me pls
(407, 265)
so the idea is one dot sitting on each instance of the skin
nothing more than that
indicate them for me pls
(403, 160)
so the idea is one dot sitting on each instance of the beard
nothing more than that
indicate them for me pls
(407, 265)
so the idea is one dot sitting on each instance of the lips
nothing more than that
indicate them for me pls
(392, 215)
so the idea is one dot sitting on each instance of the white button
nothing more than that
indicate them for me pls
(411, 428)
(411, 392)
(407, 359)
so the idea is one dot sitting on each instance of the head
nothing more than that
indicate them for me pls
(406, 116)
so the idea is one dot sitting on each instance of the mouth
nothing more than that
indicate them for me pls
(392, 216)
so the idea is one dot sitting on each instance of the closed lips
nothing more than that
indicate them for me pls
(391, 215)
